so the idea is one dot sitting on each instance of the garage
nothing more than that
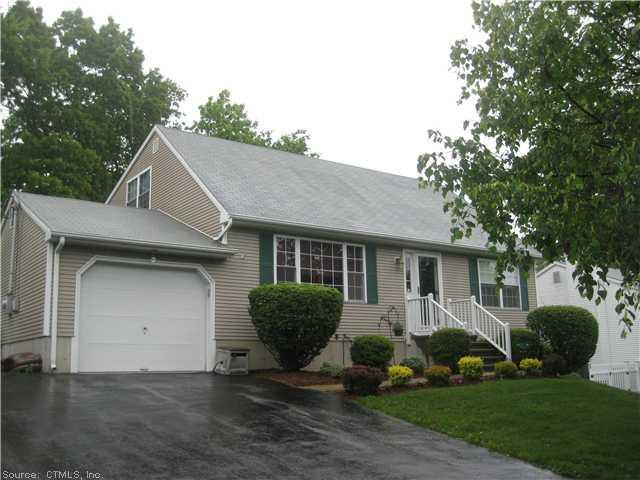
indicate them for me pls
(134, 318)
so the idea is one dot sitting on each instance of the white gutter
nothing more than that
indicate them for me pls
(54, 315)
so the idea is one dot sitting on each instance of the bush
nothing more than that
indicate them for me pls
(572, 332)
(295, 322)
(331, 370)
(414, 363)
(400, 375)
(372, 350)
(471, 368)
(553, 365)
(449, 345)
(525, 344)
(506, 369)
(531, 367)
(438, 375)
(362, 380)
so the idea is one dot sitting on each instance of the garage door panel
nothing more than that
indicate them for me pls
(136, 318)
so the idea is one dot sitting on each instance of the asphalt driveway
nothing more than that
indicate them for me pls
(183, 426)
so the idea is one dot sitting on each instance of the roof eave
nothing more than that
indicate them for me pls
(408, 242)
(138, 245)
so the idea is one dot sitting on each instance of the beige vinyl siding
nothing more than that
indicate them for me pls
(173, 189)
(234, 278)
(30, 278)
(239, 275)
(456, 286)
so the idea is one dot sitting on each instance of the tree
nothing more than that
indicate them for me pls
(224, 119)
(553, 163)
(83, 87)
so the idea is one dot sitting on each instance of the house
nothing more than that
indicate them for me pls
(617, 358)
(157, 278)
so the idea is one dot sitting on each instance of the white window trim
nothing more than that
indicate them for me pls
(345, 285)
(517, 271)
(137, 180)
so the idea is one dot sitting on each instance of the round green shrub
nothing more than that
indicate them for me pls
(449, 345)
(506, 369)
(295, 322)
(471, 368)
(362, 380)
(525, 344)
(399, 375)
(372, 350)
(572, 332)
(414, 363)
(438, 375)
(553, 365)
(532, 367)
(331, 370)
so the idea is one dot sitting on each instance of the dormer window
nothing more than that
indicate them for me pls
(139, 190)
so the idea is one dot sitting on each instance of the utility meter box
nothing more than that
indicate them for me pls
(232, 361)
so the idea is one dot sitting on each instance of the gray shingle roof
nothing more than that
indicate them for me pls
(97, 221)
(267, 184)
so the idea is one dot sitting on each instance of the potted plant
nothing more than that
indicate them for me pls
(398, 329)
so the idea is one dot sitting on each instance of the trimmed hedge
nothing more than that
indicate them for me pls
(553, 365)
(471, 368)
(399, 375)
(294, 321)
(506, 369)
(362, 380)
(331, 370)
(416, 364)
(525, 343)
(572, 332)
(438, 375)
(532, 367)
(372, 350)
(448, 345)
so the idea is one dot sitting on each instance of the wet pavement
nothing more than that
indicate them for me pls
(193, 426)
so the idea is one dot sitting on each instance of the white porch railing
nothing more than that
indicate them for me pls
(425, 316)
(483, 323)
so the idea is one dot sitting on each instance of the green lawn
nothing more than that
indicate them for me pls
(572, 426)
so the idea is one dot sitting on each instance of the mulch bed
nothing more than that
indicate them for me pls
(301, 379)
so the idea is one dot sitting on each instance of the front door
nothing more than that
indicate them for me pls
(421, 275)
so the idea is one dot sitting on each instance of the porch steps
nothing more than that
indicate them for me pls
(489, 354)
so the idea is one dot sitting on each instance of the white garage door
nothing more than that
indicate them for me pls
(135, 318)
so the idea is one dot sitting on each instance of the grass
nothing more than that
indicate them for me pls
(569, 425)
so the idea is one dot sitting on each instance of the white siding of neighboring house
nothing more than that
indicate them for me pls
(613, 352)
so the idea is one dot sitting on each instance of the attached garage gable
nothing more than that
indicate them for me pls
(135, 317)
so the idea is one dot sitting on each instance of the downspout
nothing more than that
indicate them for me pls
(225, 229)
(54, 302)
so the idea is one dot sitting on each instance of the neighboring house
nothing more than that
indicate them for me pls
(617, 359)
(158, 278)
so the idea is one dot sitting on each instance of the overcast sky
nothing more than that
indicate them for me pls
(366, 79)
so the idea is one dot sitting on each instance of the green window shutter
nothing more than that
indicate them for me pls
(372, 274)
(266, 257)
(474, 281)
(524, 291)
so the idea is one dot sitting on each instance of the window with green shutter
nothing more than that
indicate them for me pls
(348, 267)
